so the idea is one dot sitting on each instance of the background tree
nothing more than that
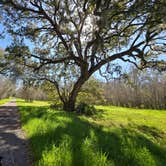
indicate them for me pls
(50, 91)
(72, 39)
(30, 89)
(31, 93)
(3, 62)
(7, 88)
(139, 89)
(92, 92)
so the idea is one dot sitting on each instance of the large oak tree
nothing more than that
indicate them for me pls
(68, 40)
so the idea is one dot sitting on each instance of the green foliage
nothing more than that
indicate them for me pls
(117, 137)
(92, 92)
(50, 91)
(85, 109)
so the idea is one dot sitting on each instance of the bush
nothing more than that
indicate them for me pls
(85, 109)
(56, 105)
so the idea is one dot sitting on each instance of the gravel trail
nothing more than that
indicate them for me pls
(13, 145)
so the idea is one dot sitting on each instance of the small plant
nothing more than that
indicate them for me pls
(85, 109)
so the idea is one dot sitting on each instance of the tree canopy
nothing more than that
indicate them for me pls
(66, 41)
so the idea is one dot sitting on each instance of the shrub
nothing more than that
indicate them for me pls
(85, 109)
(56, 105)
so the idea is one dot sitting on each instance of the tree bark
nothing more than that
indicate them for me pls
(69, 105)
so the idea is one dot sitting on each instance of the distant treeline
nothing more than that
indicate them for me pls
(142, 89)
(139, 89)
(7, 88)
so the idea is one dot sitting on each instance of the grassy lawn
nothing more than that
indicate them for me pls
(3, 101)
(114, 137)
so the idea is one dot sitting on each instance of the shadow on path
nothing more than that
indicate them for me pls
(13, 147)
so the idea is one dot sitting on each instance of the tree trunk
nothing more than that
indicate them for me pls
(69, 105)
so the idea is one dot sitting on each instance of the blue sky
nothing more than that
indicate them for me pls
(5, 41)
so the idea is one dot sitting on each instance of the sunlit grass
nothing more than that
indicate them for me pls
(3, 101)
(129, 116)
(115, 136)
(33, 103)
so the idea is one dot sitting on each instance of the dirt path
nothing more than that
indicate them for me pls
(13, 147)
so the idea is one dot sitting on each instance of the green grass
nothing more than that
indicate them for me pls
(114, 137)
(3, 101)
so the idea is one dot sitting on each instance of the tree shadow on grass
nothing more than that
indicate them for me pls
(123, 146)
(156, 133)
(32, 112)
